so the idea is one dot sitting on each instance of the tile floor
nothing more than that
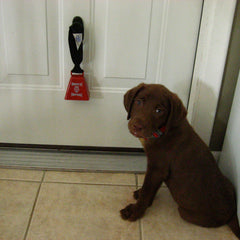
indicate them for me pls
(39, 205)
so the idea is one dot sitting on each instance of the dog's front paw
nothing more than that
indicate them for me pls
(132, 212)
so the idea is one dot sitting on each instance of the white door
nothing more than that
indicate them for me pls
(126, 42)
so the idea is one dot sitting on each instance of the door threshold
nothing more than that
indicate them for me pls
(72, 160)
(70, 148)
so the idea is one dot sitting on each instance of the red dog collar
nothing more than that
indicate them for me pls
(158, 133)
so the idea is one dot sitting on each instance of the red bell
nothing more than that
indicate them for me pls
(77, 88)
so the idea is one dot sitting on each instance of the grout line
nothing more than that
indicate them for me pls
(43, 176)
(34, 206)
(44, 172)
(20, 180)
(139, 221)
(136, 178)
(80, 183)
(92, 184)
(140, 229)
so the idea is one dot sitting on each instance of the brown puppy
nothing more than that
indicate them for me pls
(177, 156)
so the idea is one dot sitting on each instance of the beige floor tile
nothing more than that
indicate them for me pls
(16, 203)
(140, 179)
(25, 175)
(95, 178)
(89, 212)
(162, 221)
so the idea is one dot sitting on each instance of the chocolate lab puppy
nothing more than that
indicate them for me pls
(177, 156)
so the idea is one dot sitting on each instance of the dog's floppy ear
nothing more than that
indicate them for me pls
(177, 112)
(130, 96)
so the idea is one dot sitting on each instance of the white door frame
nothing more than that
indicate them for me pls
(215, 31)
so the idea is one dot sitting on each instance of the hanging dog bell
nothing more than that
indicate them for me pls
(77, 86)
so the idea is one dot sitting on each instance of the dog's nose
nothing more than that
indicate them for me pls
(138, 127)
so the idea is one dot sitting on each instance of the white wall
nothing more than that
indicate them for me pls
(230, 157)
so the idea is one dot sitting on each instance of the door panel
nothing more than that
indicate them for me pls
(29, 45)
(126, 43)
(25, 35)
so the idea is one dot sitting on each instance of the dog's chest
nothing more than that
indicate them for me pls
(143, 141)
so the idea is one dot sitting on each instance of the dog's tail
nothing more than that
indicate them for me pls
(234, 225)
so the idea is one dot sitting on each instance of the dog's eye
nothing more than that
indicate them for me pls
(158, 110)
(138, 101)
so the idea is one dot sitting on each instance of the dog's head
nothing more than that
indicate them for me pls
(151, 107)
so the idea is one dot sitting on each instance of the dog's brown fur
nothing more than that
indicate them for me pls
(180, 159)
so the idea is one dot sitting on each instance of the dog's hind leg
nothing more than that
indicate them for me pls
(234, 225)
(198, 219)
